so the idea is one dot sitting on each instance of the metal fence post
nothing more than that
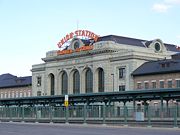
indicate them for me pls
(149, 117)
(85, 113)
(36, 112)
(50, 113)
(10, 113)
(161, 108)
(104, 114)
(22, 113)
(125, 114)
(175, 115)
(67, 114)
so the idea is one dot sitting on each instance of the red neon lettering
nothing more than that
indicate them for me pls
(62, 42)
(83, 33)
(80, 32)
(59, 44)
(67, 37)
(76, 32)
(71, 35)
(87, 32)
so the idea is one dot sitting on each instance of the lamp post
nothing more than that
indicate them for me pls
(113, 91)
(113, 81)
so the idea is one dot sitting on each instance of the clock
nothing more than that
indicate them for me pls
(157, 47)
(76, 44)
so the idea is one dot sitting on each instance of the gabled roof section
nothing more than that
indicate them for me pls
(171, 47)
(123, 40)
(8, 80)
(176, 56)
(135, 42)
(158, 67)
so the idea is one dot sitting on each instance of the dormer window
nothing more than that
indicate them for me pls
(167, 64)
(164, 65)
(157, 45)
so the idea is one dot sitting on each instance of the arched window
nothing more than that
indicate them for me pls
(89, 81)
(100, 80)
(76, 82)
(51, 84)
(64, 83)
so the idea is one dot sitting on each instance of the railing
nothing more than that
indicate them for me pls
(104, 114)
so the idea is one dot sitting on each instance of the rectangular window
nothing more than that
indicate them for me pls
(38, 81)
(154, 85)
(38, 93)
(122, 73)
(17, 94)
(9, 94)
(146, 85)
(170, 84)
(122, 88)
(177, 83)
(12, 94)
(6, 95)
(161, 83)
(20, 94)
(139, 86)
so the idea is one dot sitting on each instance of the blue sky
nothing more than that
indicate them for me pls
(30, 28)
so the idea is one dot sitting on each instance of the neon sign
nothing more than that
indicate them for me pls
(77, 33)
(83, 48)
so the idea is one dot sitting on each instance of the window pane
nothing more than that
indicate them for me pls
(161, 84)
(169, 84)
(122, 73)
(52, 84)
(139, 86)
(153, 85)
(178, 83)
(64, 83)
(89, 81)
(101, 80)
(122, 88)
(146, 85)
(38, 93)
(39, 81)
(76, 82)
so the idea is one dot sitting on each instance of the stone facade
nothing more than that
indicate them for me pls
(110, 56)
(16, 92)
(170, 77)
(14, 87)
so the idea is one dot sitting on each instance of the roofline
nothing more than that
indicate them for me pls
(15, 86)
(156, 73)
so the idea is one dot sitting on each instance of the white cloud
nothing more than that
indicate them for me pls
(172, 1)
(165, 5)
(161, 7)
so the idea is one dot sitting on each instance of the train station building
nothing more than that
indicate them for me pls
(12, 86)
(95, 64)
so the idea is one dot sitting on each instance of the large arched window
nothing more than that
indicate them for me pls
(76, 82)
(51, 76)
(64, 83)
(100, 80)
(89, 81)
